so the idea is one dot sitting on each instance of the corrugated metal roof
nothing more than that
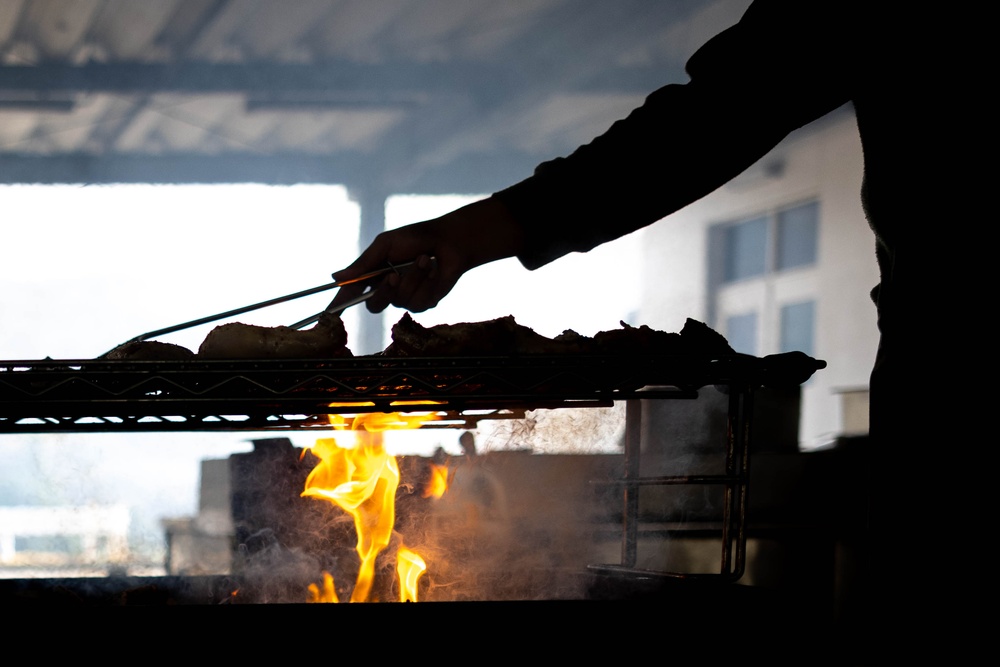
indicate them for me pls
(400, 95)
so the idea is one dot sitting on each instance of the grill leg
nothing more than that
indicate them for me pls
(630, 518)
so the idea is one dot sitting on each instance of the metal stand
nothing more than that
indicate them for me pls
(730, 528)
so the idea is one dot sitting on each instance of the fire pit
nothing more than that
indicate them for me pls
(134, 396)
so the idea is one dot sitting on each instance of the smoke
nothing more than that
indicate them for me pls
(562, 431)
(529, 506)
(274, 573)
(515, 525)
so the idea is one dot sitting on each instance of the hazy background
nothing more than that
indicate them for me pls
(88, 267)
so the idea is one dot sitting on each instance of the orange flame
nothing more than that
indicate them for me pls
(438, 483)
(409, 567)
(361, 479)
(328, 594)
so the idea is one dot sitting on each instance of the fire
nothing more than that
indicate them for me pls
(362, 481)
(438, 483)
(361, 478)
(328, 594)
(409, 567)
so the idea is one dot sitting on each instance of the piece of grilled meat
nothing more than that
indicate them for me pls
(326, 340)
(505, 337)
(499, 337)
(149, 350)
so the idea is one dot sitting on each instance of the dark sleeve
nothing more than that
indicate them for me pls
(783, 65)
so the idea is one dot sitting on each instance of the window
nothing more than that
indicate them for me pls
(746, 249)
(797, 327)
(762, 279)
(741, 332)
(796, 236)
(785, 239)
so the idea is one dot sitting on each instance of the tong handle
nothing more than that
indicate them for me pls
(356, 300)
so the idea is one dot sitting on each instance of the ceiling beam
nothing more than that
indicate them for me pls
(179, 168)
(469, 175)
(391, 83)
(383, 81)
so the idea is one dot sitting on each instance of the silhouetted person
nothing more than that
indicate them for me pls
(916, 79)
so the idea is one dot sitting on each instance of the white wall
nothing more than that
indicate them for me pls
(822, 161)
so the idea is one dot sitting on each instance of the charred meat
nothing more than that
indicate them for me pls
(505, 337)
(326, 340)
(149, 350)
(502, 336)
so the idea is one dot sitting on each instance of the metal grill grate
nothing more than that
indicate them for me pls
(109, 396)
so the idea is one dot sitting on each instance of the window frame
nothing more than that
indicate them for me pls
(767, 293)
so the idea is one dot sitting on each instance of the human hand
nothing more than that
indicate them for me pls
(441, 250)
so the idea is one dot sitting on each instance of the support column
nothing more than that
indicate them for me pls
(371, 328)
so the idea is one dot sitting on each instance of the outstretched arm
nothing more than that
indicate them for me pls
(782, 66)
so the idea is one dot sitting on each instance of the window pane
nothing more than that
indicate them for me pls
(797, 231)
(797, 323)
(741, 332)
(745, 249)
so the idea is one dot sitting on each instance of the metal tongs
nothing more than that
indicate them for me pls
(391, 268)
(364, 296)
